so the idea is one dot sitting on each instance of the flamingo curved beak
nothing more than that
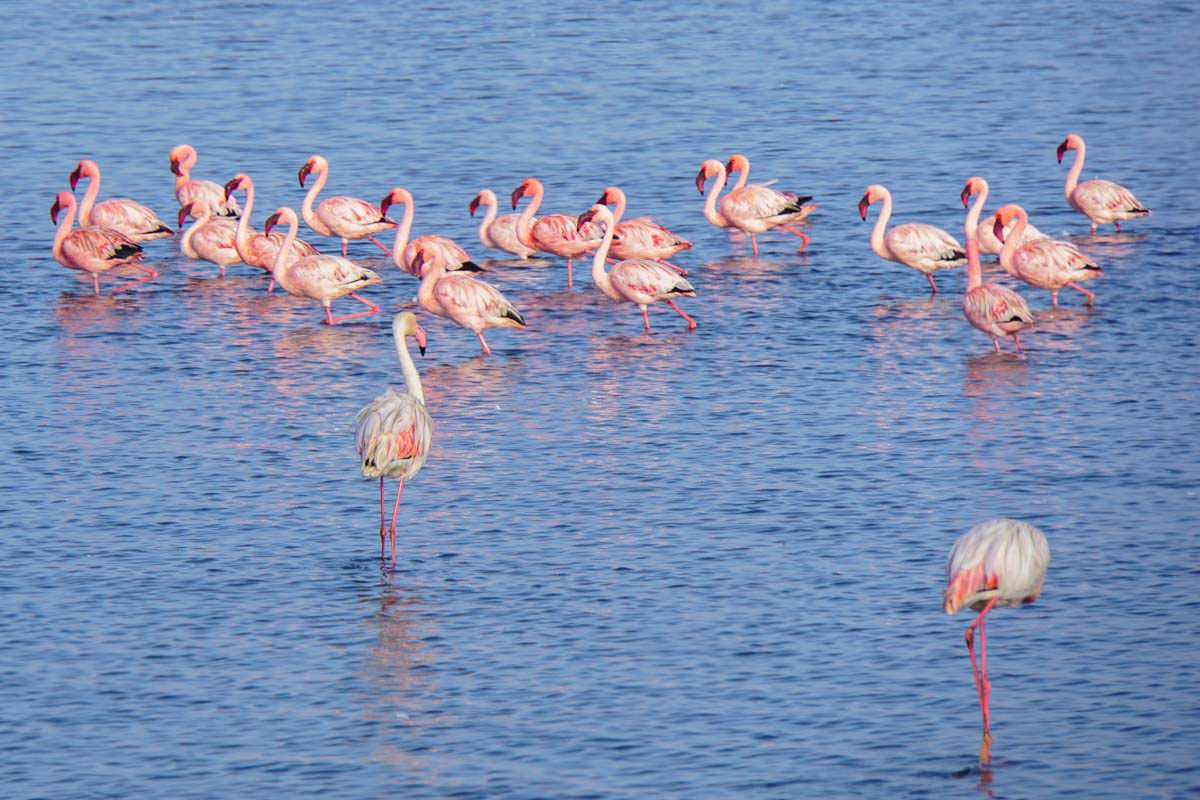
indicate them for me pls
(175, 168)
(419, 335)
(385, 204)
(585, 218)
(271, 222)
(232, 186)
(1062, 148)
(701, 178)
(54, 209)
(75, 174)
(474, 206)
(863, 204)
(998, 228)
(305, 171)
(184, 213)
(966, 195)
(517, 194)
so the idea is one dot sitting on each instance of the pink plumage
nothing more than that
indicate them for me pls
(752, 209)
(913, 244)
(1099, 200)
(119, 214)
(209, 238)
(500, 232)
(345, 217)
(468, 302)
(255, 248)
(93, 250)
(1046, 263)
(994, 309)
(438, 249)
(189, 190)
(557, 234)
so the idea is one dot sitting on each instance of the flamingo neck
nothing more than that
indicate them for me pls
(432, 273)
(185, 243)
(1012, 241)
(89, 199)
(711, 213)
(885, 214)
(525, 221)
(412, 378)
(279, 265)
(1075, 171)
(306, 209)
(241, 240)
(489, 216)
(599, 275)
(402, 231)
(64, 230)
(620, 209)
(971, 232)
(185, 170)
(743, 176)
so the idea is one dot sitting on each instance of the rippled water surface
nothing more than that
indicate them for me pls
(700, 565)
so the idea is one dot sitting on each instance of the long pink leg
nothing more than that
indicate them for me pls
(690, 322)
(568, 274)
(382, 527)
(487, 351)
(1091, 298)
(380, 245)
(981, 683)
(754, 243)
(932, 285)
(96, 282)
(371, 309)
(345, 244)
(271, 286)
(1017, 339)
(645, 320)
(996, 344)
(395, 512)
(804, 237)
(1054, 298)
(150, 275)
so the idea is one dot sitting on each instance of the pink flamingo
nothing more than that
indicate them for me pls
(470, 303)
(557, 234)
(1045, 263)
(994, 309)
(637, 280)
(346, 217)
(500, 233)
(188, 191)
(913, 244)
(641, 237)
(93, 250)
(998, 562)
(985, 236)
(118, 214)
(1100, 201)
(752, 209)
(320, 277)
(210, 239)
(394, 429)
(438, 248)
(258, 249)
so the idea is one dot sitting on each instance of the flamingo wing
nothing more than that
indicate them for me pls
(130, 218)
(393, 436)
(475, 304)
(100, 248)
(760, 202)
(1001, 558)
(350, 215)
(1107, 198)
(643, 281)
(326, 277)
(211, 193)
(925, 247)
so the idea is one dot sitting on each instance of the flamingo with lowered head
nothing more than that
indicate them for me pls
(342, 216)
(638, 280)
(1100, 201)
(322, 278)
(913, 244)
(189, 190)
(558, 234)
(994, 309)
(1046, 263)
(641, 237)
(470, 303)
(998, 562)
(118, 214)
(751, 209)
(208, 238)
(395, 429)
(255, 248)
(438, 248)
(500, 232)
(93, 250)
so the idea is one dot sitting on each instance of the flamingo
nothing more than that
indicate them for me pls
(500, 233)
(558, 234)
(254, 248)
(751, 209)
(118, 214)
(440, 249)
(342, 216)
(986, 237)
(914, 244)
(1045, 263)
(470, 303)
(635, 280)
(998, 562)
(208, 238)
(93, 250)
(320, 277)
(641, 237)
(994, 309)
(1100, 201)
(394, 429)
(188, 191)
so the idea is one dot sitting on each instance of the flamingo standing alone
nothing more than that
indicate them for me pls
(394, 429)
(1045, 263)
(188, 191)
(1100, 201)
(255, 248)
(558, 234)
(751, 209)
(998, 562)
(118, 214)
(93, 250)
(913, 244)
(208, 238)
(342, 216)
(468, 302)
(641, 237)
(503, 232)
(320, 277)
(994, 309)
(439, 249)
(637, 280)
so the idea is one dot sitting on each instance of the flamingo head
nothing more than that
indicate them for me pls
(1003, 217)
(182, 159)
(737, 163)
(397, 195)
(405, 324)
(307, 169)
(61, 201)
(528, 186)
(238, 181)
(474, 205)
(1072, 142)
(84, 169)
(975, 185)
(186, 211)
(272, 221)
(871, 195)
(597, 213)
(708, 169)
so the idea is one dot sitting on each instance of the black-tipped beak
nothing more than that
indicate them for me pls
(421, 348)
(862, 207)
(966, 195)
(1062, 148)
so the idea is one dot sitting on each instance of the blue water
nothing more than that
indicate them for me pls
(698, 565)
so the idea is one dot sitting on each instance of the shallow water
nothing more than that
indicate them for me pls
(675, 565)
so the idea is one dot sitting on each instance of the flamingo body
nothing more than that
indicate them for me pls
(641, 237)
(437, 249)
(499, 232)
(1101, 201)
(923, 247)
(469, 303)
(345, 217)
(557, 234)
(752, 209)
(1046, 263)
(119, 214)
(255, 248)
(93, 250)
(208, 238)
(189, 191)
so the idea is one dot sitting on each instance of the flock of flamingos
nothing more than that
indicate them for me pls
(998, 562)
